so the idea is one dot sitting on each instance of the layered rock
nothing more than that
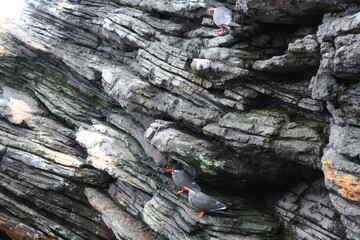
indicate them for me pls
(97, 99)
(335, 79)
(309, 205)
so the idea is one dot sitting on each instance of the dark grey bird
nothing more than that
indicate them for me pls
(223, 18)
(182, 179)
(205, 203)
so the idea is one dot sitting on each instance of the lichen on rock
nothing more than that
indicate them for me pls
(97, 98)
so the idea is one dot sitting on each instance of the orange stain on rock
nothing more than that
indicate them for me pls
(9, 232)
(104, 231)
(349, 185)
(16, 232)
(121, 197)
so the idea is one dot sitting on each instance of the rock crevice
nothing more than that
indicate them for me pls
(98, 98)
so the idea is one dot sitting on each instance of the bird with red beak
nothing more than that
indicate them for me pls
(205, 203)
(182, 179)
(223, 18)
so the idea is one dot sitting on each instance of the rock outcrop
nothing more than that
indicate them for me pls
(97, 98)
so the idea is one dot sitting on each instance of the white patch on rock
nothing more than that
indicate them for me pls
(200, 64)
(105, 153)
(18, 107)
(21, 111)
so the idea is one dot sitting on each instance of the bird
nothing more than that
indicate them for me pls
(205, 203)
(182, 179)
(223, 18)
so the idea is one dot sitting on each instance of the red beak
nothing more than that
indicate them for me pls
(169, 170)
(211, 9)
(188, 189)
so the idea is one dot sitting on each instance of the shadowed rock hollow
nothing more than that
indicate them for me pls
(97, 98)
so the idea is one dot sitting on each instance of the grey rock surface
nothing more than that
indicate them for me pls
(97, 98)
(289, 12)
(310, 206)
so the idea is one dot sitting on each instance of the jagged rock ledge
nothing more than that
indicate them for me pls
(98, 98)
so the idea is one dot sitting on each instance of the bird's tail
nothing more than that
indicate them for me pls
(234, 24)
(227, 212)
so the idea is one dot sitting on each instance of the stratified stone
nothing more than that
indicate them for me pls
(271, 131)
(139, 96)
(303, 56)
(182, 222)
(214, 165)
(118, 154)
(129, 197)
(307, 213)
(336, 81)
(288, 12)
(137, 131)
(122, 224)
(288, 63)
(107, 94)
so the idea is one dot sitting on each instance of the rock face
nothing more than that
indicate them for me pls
(97, 98)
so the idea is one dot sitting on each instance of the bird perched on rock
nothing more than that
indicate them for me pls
(182, 179)
(223, 18)
(205, 203)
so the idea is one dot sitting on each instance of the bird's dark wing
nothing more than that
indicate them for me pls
(194, 186)
(203, 202)
(222, 16)
(183, 179)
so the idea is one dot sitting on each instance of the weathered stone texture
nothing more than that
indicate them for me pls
(97, 98)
